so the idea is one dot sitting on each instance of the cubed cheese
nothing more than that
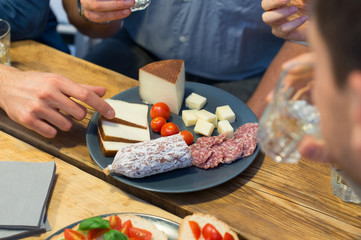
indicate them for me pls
(208, 116)
(203, 127)
(225, 127)
(225, 113)
(195, 101)
(189, 117)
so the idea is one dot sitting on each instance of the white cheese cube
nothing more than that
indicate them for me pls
(208, 116)
(195, 101)
(225, 113)
(203, 127)
(225, 127)
(189, 117)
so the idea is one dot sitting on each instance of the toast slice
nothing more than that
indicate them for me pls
(186, 233)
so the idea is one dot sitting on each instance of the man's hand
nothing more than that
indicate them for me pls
(100, 11)
(42, 101)
(288, 18)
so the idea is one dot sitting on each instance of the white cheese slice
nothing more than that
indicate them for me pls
(225, 127)
(204, 127)
(195, 101)
(208, 116)
(163, 81)
(225, 113)
(189, 117)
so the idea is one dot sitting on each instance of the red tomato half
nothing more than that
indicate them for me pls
(95, 233)
(195, 229)
(70, 234)
(160, 110)
(115, 222)
(210, 232)
(187, 136)
(140, 234)
(157, 123)
(126, 226)
(228, 236)
(168, 129)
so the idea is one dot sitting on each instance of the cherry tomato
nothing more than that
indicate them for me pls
(187, 136)
(140, 234)
(115, 222)
(157, 123)
(195, 229)
(210, 232)
(168, 129)
(96, 233)
(160, 110)
(126, 226)
(70, 234)
(228, 236)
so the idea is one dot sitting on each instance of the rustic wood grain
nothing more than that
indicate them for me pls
(76, 195)
(267, 201)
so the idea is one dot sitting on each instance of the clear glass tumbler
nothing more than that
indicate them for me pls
(140, 5)
(4, 42)
(341, 188)
(289, 116)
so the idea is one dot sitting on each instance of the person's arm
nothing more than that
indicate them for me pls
(42, 101)
(98, 11)
(258, 101)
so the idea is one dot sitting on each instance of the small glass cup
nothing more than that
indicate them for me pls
(4, 42)
(140, 5)
(290, 115)
(341, 188)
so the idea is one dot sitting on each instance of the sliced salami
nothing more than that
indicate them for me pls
(249, 145)
(248, 128)
(200, 155)
(204, 142)
(232, 150)
(215, 158)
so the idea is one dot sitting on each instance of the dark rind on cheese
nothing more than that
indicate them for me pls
(106, 153)
(166, 69)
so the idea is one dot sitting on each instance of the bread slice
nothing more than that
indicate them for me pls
(185, 231)
(163, 81)
(130, 114)
(110, 148)
(137, 222)
(111, 131)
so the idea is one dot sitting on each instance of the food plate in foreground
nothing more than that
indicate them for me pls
(169, 227)
(188, 179)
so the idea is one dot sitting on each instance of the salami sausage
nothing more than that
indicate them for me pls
(152, 157)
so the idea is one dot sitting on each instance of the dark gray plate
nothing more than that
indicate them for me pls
(188, 179)
(169, 227)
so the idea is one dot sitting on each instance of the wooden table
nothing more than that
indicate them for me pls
(267, 201)
(76, 195)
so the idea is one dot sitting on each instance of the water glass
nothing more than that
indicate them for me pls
(341, 188)
(289, 116)
(4, 42)
(140, 5)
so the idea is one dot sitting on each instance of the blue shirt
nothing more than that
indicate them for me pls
(217, 39)
(32, 19)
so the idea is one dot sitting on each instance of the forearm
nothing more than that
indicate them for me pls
(87, 28)
(258, 101)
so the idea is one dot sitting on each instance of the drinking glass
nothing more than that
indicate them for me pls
(4, 42)
(341, 188)
(290, 115)
(140, 5)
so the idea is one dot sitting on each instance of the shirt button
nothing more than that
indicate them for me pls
(183, 39)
